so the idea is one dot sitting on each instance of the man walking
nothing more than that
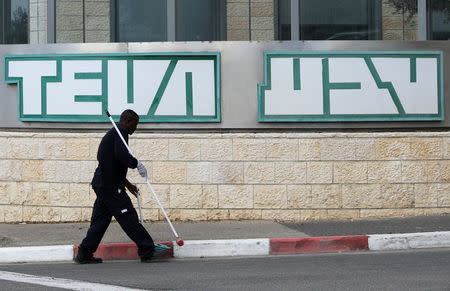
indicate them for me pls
(109, 184)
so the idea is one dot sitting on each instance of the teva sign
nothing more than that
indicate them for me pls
(351, 86)
(180, 87)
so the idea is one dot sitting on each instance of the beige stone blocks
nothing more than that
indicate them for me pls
(169, 172)
(219, 176)
(270, 196)
(236, 196)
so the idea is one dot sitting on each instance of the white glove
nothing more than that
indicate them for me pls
(141, 169)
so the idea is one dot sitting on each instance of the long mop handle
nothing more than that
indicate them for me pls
(138, 196)
(162, 208)
(179, 241)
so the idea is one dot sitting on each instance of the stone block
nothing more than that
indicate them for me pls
(12, 213)
(69, 214)
(350, 172)
(97, 8)
(364, 148)
(298, 196)
(249, 149)
(210, 196)
(227, 172)
(6, 189)
(86, 214)
(40, 194)
(435, 211)
(337, 149)
(446, 148)
(384, 172)
(245, 214)
(392, 34)
(361, 196)
(270, 196)
(98, 23)
(147, 198)
(258, 172)
(169, 172)
(237, 9)
(78, 194)
(51, 214)
(262, 23)
(309, 149)
(319, 172)
(235, 196)
(282, 149)
(262, 35)
(150, 214)
(414, 171)
(443, 194)
(216, 149)
(326, 196)
(32, 214)
(238, 34)
(290, 172)
(198, 172)
(151, 149)
(438, 171)
(69, 8)
(397, 196)
(10, 170)
(97, 36)
(22, 193)
(23, 148)
(283, 215)
(52, 148)
(239, 22)
(60, 194)
(69, 23)
(32, 170)
(187, 214)
(78, 149)
(340, 214)
(184, 149)
(186, 196)
(259, 9)
(69, 36)
(217, 214)
(425, 195)
(380, 213)
(313, 215)
(426, 148)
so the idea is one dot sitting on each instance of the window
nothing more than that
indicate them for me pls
(284, 20)
(14, 21)
(141, 20)
(438, 19)
(202, 20)
(147, 20)
(340, 20)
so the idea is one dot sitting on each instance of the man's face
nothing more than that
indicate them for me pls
(130, 126)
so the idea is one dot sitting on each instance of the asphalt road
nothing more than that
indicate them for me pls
(401, 270)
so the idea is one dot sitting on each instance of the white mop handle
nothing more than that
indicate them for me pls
(162, 208)
(118, 131)
(138, 196)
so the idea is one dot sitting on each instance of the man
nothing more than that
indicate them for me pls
(109, 184)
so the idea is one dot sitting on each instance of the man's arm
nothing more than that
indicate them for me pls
(131, 187)
(121, 153)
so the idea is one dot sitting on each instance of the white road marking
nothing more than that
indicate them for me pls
(59, 282)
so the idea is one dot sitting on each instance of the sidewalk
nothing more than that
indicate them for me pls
(21, 242)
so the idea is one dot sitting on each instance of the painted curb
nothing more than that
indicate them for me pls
(439, 239)
(36, 254)
(283, 246)
(239, 247)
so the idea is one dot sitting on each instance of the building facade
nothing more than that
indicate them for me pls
(371, 140)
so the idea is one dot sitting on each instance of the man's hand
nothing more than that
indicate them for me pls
(132, 188)
(142, 170)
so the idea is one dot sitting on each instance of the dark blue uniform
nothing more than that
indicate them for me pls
(112, 200)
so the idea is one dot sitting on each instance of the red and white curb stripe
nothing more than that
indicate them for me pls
(240, 247)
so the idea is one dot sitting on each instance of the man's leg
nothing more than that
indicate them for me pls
(100, 220)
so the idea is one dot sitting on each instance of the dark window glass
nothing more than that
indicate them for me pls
(438, 19)
(14, 21)
(284, 19)
(340, 20)
(200, 20)
(141, 20)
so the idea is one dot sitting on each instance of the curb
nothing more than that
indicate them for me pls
(239, 247)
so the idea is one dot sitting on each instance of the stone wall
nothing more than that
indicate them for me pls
(213, 176)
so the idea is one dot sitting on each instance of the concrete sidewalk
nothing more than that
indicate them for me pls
(204, 239)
